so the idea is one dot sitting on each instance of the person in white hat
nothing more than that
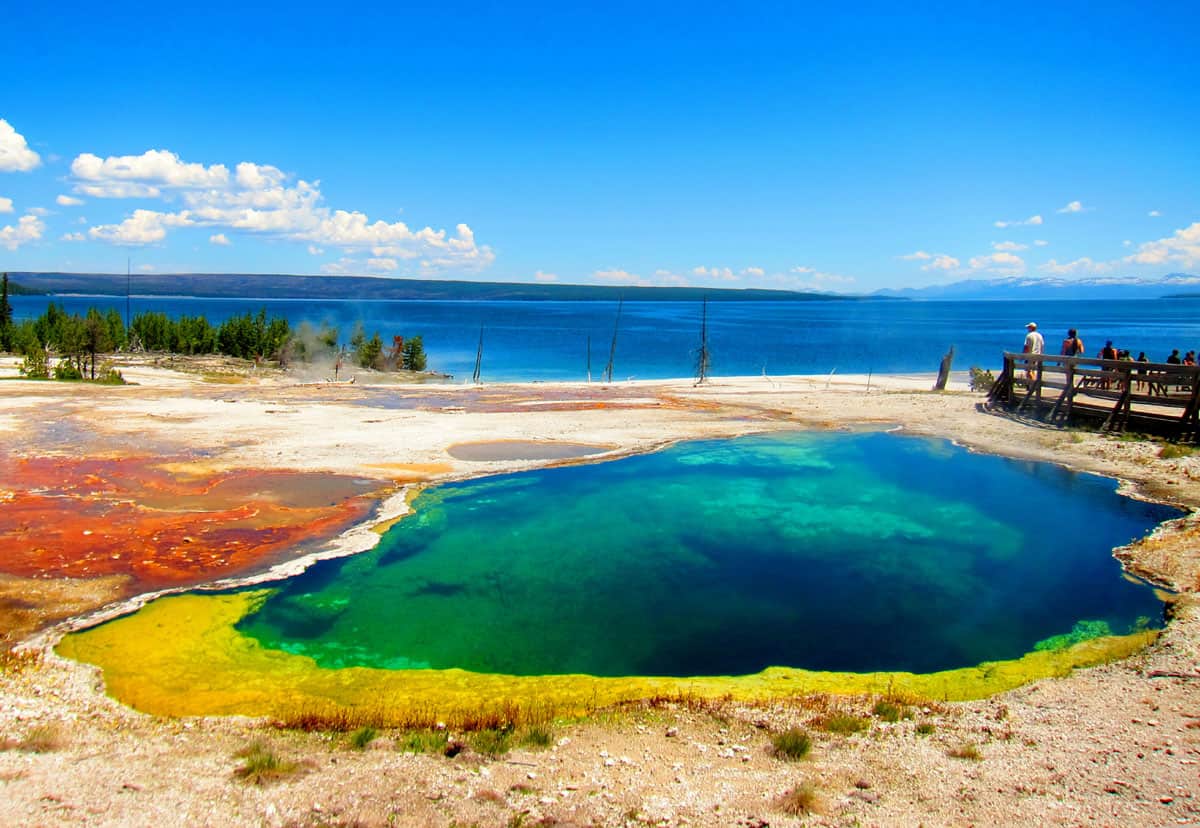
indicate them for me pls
(1035, 343)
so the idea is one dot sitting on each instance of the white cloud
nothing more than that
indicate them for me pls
(15, 154)
(68, 201)
(152, 169)
(5, 205)
(622, 277)
(27, 229)
(382, 264)
(313, 250)
(754, 272)
(545, 277)
(146, 268)
(1179, 250)
(1074, 207)
(1077, 267)
(118, 189)
(1009, 246)
(1040, 242)
(72, 237)
(1154, 214)
(260, 199)
(344, 266)
(809, 278)
(38, 211)
(918, 256)
(1032, 221)
(723, 274)
(1127, 243)
(1005, 264)
(143, 227)
(220, 239)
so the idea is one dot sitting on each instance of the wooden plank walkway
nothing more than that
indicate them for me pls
(1152, 397)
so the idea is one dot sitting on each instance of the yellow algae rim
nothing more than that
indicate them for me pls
(183, 656)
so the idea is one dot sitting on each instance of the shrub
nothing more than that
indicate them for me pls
(925, 728)
(981, 379)
(67, 370)
(791, 744)
(35, 365)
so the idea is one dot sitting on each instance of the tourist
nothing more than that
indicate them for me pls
(1072, 345)
(1035, 343)
(1189, 358)
(1108, 351)
(1141, 383)
(1174, 359)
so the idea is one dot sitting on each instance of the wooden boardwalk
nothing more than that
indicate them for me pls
(1152, 397)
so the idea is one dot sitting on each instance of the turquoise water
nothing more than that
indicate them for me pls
(856, 552)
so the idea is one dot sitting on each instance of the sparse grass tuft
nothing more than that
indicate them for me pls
(45, 738)
(843, 724)
(362, 737)
(800, 800)
(966, 750)
(791, 744)
(491, 742)
(261, 765)
(925, 728)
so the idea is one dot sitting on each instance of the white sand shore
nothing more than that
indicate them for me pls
(1114, 744)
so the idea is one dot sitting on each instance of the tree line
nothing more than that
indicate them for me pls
(77, 339)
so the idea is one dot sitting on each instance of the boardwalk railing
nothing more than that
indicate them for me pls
(1149, 396)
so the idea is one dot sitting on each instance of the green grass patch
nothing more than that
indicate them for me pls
(423, 741)
(362, 737)
(925, 728)
(491, 742)
(1173, 451)
(536, 736)
(792, 744)
(887, 711)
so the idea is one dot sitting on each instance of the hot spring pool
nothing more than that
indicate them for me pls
(829, 552)
(857, 553)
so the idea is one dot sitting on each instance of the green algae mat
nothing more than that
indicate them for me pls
(756, 567)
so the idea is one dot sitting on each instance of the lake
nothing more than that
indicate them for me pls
(658, 340)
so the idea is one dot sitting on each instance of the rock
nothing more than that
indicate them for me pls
(672, 732)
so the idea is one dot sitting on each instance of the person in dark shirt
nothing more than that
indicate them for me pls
(1072, 345)
(1174, 359)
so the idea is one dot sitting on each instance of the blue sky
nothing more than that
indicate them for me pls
(780, 145)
